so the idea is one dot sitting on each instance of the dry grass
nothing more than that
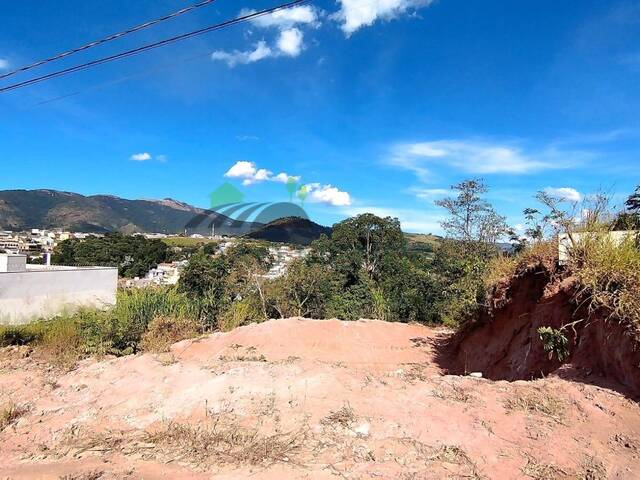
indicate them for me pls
(220, 440)
(592, 469)
(243, 354)
(344, 417)
(416, 373)
(92, 475)
(455, 455)
(163, 331)
(537, 402)
(451, 391)
(609, 273)
(226, 443)
(505, 267)
(11, 412)
(542, 471)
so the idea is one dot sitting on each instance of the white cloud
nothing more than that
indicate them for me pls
(140, 157)
(260, 51)
(286, 18)
(478, 157)
(564, 193)
(354, 14)
(430, 193)
(285, 178)
(4, 64)
(290, 42)
(249, 173)
(328, 194)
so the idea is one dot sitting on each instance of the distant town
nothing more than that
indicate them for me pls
(38, 245)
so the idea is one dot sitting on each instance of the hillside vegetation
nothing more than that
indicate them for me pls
(294, 230)
(25, 209)
(366, 269)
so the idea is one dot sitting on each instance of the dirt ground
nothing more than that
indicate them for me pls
(306, 399)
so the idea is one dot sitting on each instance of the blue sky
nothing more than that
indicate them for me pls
(376, 105)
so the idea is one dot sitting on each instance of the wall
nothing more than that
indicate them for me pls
(45, 291)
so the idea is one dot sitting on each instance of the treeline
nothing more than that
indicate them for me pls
(134, 255)
(363, 270)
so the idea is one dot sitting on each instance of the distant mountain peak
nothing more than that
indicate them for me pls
(45, 208)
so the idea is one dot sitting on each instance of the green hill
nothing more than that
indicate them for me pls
(296, 230)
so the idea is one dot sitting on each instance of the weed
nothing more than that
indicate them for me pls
(92, 475)
(344, 417)
(542, 471)
(451, 391)
(223, 442)
(11, 412)
(163, 331)
(537, 402)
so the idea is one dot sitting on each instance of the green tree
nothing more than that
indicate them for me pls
(366, 244)
(472, 220)
(203, 275)
(134, 255)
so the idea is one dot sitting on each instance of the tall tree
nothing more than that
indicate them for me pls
(471, 218)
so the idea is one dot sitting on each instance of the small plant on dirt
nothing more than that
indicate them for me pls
(554, 342)
(92, 475)
(542, 471)
(344, 417)
(537, 402)
(222, 442)
(11, 412)
(163, 331)
(451, 391)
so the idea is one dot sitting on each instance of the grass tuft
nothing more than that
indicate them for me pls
(163, 331)
(11, 412)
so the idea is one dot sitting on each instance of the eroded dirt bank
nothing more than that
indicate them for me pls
(504, 343)
(307, 399)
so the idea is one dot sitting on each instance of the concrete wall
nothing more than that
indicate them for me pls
(45, 291)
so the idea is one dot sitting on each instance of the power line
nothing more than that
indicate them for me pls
(114, 36)
(150, 46)
(116, 81)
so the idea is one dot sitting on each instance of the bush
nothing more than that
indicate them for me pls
(163, 331)
(240, 312)
(117, 331)
(504, 267)
(609, 274)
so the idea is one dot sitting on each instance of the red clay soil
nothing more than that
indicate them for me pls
(305, 399)
(504, 342)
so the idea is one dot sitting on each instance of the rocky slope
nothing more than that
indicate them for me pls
(307, 399)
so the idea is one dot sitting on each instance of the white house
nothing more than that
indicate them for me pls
(29, 292)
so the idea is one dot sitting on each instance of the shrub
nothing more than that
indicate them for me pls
(116, 331)
(608, 271)
(240, 312)
(505, 267)
(163, 331)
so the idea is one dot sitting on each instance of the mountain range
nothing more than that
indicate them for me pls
(26, 209)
